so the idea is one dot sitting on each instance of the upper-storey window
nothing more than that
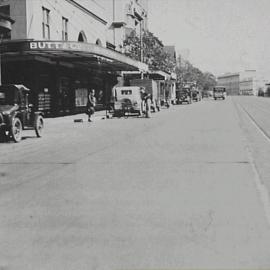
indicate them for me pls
(45, 23)
(64, 28)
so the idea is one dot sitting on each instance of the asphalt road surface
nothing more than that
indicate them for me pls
(185, 189)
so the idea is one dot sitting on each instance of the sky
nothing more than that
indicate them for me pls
(218, 36)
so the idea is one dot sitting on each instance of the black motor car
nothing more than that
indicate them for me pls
(183, 96)
(16, 113)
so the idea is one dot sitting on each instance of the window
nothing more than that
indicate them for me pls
(64, 28)
(126, 92)
(46, 23)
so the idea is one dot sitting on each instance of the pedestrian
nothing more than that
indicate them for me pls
(146, 102)
(91, 103)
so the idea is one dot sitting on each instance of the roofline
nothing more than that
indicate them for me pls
(74, 3)
(229, 75)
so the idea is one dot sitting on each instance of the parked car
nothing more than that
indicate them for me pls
(196, 94)
(16, 114)
(127, 100)
(183, 96)
(219, 92)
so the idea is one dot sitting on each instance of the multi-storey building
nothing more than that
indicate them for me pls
(59, 49)
(248, 83)
(231, 82)
(241, 83)
(125, 16)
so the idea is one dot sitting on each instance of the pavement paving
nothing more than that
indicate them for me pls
(177, 191)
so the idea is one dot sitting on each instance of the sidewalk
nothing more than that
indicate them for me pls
(98, 115)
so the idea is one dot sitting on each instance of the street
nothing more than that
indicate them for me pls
(186, 189)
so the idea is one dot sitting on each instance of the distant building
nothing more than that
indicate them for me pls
(241, 83)
(248, 83)
(231, 82)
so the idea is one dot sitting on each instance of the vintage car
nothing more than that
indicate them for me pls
(196, 94)
(16, 113)
(127, 100)
(219, 92)
(183, 96)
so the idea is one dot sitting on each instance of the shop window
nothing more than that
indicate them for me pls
(81, 95)
(64, 28)
(45, 23)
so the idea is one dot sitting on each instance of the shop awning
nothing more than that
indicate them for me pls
(78, 54)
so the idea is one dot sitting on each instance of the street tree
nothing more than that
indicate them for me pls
(153, 53)
(186, 72)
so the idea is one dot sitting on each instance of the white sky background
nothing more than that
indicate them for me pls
(215, 35)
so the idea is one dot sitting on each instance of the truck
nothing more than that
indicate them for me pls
(219, 92)
(151, 87)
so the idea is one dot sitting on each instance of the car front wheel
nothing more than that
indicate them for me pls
(39, 125)
(16, 130)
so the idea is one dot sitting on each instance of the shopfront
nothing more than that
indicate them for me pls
(60, 74)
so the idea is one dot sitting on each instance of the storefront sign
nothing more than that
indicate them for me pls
(65, 46)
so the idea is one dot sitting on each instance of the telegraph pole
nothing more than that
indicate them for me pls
(141, 46)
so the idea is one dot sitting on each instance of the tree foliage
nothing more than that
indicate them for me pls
(186, 72)
(157, 59)
(153, 53)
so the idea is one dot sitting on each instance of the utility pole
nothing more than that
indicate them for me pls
(141, 45)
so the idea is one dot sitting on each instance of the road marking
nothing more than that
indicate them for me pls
(254, 122)
(261, 188)
(263, 191)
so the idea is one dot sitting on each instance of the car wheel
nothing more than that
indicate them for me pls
(39, 125)
(16, 130)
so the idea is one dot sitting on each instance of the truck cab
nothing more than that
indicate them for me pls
(219, 92)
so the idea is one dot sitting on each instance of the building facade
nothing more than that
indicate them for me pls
(231, 82)
(242, 83)
(59, 49)
(248, 83)
(124, 16)
(247, 87)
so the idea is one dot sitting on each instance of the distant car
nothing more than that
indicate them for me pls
(183, 96)
(16, 113)
(219, 92)
(127, 100)
(196, 95)
(205, 94)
